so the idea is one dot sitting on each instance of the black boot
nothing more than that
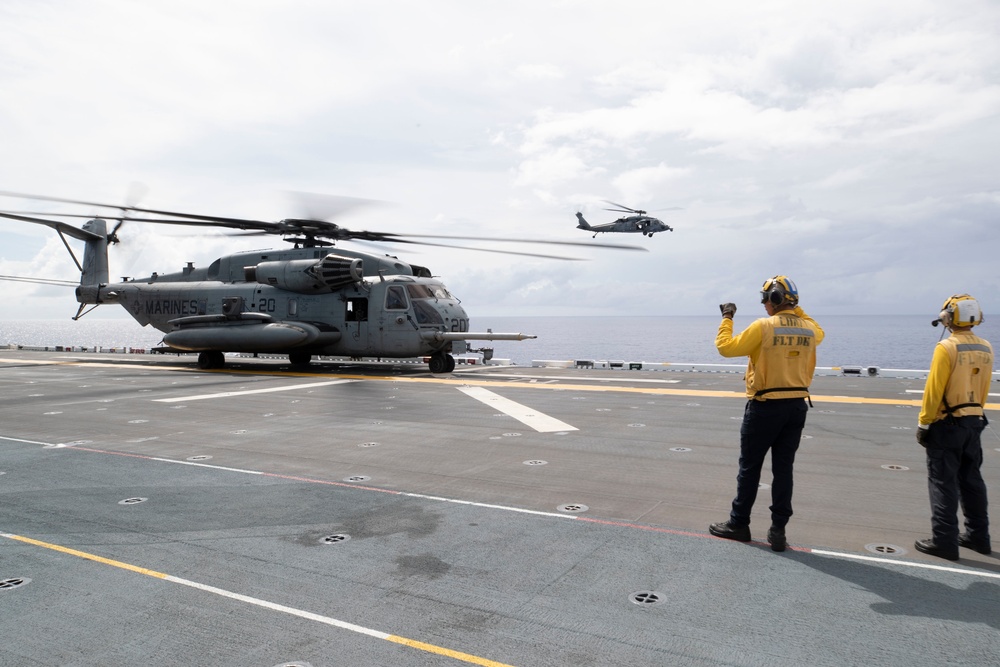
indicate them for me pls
(776, 538)
(982, 547)
(928, 546)
(727, 530)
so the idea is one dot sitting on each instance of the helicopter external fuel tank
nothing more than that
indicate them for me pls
(249, 332)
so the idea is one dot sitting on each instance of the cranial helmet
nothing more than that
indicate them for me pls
(961, 310)
(779, 290)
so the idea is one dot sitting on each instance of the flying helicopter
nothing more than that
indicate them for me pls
(637, 221)
(310, 299)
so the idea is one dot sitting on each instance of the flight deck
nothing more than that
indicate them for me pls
(378, 514)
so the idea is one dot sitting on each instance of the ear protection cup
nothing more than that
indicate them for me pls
(961, 310)
(775, 296)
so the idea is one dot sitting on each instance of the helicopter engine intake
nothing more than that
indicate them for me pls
(307, 276)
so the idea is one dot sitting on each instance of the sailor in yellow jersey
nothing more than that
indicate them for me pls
(782, 352)
(949, 427)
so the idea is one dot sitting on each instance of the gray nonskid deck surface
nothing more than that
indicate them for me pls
(258, 523)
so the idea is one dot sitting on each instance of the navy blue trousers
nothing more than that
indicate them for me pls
(954, 459)
(774, 425)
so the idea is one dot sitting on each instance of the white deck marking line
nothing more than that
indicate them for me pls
(30, 442)
(890, 561)
(508, 508)
(226, 394)
(920, 391)
(273, 606)
(522, 413)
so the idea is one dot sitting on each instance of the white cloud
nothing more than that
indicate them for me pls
(539, 72)
(846, 143)
(641, 184)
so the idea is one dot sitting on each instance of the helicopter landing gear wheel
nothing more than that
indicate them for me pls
(211, 359)
(299, 358)
(441, 363)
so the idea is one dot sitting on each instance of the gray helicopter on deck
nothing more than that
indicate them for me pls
(638, 221)
(310, 299)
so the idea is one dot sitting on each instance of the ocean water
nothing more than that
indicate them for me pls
(897, 341)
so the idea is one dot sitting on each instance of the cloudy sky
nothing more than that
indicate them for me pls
(853, 146)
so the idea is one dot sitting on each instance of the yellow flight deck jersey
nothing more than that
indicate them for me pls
(782, 351)
(959, 379)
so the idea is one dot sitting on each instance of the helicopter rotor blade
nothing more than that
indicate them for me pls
(41, 281)
(61, 227)
(52, 214)
(493, 250)
(498, 239)
(233, 222)
(136, 191)
(621, 207)
(360, 237)
(310, 229)
(325, 207)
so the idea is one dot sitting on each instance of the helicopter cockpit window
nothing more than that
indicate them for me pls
(431, 291)
(418, 292)
(395, 298)
(426, 312)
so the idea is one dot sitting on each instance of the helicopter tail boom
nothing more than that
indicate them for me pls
(582, 224)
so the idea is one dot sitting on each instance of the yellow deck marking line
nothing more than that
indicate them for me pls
(225, 394)
(522, 413)
(327, 620)
(84, 554)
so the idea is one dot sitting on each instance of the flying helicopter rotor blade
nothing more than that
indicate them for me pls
(52, 214)
(493, 250)
(330, 231)
(234, 222)
(498, 239)
(61, 200)
(324, 207)
(372, 238)
(308, 229)
(622, 207)
(126, 218)
(41, 281)
(136, 191)
(61, 227)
